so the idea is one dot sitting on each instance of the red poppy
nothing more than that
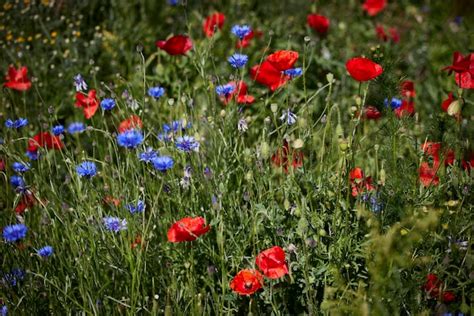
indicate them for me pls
(110, 200)
(272, 262)
(245, 42)
(406, 109)
(372, 113)
(27, 200)
(468, 163)
(461, 64)
(247, 282)
(394, 36)
(133, 122)
(187, 229)
(452, 106)
(318, 22)
(2, 165)
(427, 175)
(281, 157)
(433, 286)
(465, 80)
(17, 79)
(239, 93)
(137, 242)
(464, 69)
(408, 89)
(373, 7)
(283, 59)
(433, 149)
(268, 75)
(213, 23)
(88, 102)
(359, 183)
(176, 45)
(46, 140)
(363, 69)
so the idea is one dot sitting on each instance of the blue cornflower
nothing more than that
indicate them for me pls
(4, 310)
(20, 167)
(13, 233)
(293, 72)
(187, 144)
(107, 104)
(165, 137)
(238, 60)
(163, 163)
(241, 31)
(115, 224)
(79, 83)
(45, 252)
(156, 92)
(225, 90)
(289, 117)
(13, 277)
(16, 123)
(394, 103)
(32, 155)
(57, 130)
(86, 169)
(138, 208)
(148, 155)
(17, 182)
(76, 127)
(130, 138)
(173, 2)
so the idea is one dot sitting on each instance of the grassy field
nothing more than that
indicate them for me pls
(236, 157)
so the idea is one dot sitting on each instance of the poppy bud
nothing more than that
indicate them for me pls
(454, 108)
(330, 77)
(265, 150)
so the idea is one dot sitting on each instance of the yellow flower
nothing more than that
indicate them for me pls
(54, 34)
(7, 6)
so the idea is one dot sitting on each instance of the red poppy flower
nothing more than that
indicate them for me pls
(373, 7)
(452, 106)
(461, 64)
(137, 242)
(17, 79)
(46, 140)
(239, 93)
(283, 59)
(272, 262)
(372, 113)
(187, 229)
(408, 89)
(394, 35)
(363, 69)
(359, 183)
(245, 42)
(176, 45)
(406, 109)
(88, 102)
(281, 157)
(465, 80)
(427, 175)
(110, 200)
(433, 286)
(213, 23)
(433, 149)
(247, 282)
(27, 200)
(468, 163)
(133, 122)
(318, 22)
(268, 75)
(464, 69)
(2, 165)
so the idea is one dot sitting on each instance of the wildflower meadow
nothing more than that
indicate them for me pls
(236, 157)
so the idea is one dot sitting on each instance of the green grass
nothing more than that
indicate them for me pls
(344, 259)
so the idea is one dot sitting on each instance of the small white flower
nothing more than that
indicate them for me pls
(242, 125)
